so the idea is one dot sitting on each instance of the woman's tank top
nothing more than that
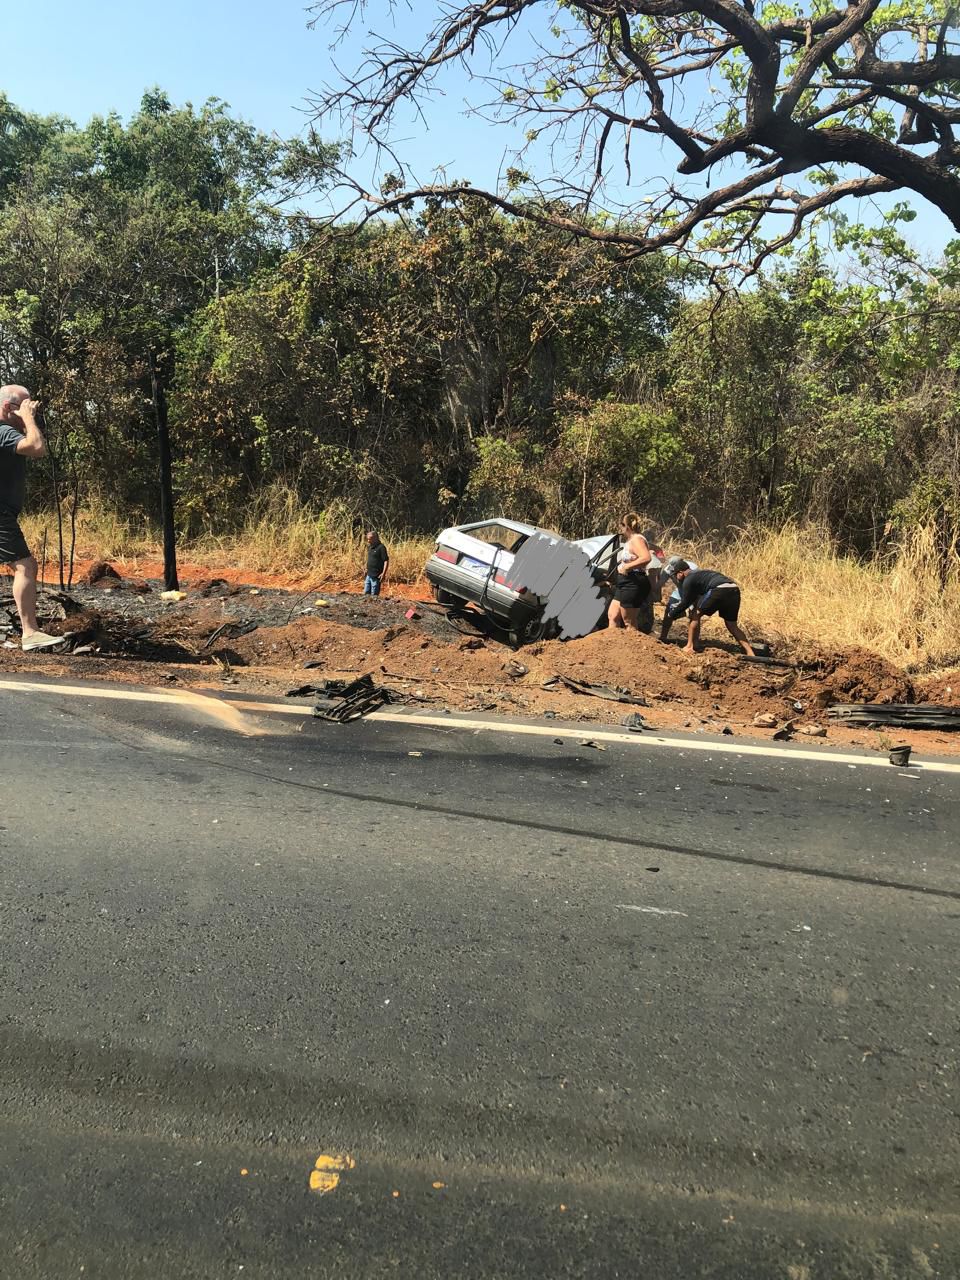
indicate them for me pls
(626, 554)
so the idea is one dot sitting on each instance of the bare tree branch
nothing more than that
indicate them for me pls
(749, 99)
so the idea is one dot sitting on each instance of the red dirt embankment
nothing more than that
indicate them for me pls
(131, 636)
(717, 685)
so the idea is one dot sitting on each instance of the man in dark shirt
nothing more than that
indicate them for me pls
(377, 560)
(703, 592)
(20, 439)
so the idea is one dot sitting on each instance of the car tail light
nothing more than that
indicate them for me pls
(504, 581)
(451, 557)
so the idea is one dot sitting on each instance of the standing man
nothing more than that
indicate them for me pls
(704, 592)
(20, 439)
(378, 558)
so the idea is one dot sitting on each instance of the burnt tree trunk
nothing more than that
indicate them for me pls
(171, 581)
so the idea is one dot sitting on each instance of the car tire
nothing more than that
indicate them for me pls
(534, 630)
(446, 598)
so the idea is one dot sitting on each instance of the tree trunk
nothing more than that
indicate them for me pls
(171, 581)
(55, 479)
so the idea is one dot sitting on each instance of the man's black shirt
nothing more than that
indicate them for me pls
(694, 587)
(377, 557)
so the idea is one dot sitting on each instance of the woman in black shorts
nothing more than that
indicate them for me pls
(632, 583)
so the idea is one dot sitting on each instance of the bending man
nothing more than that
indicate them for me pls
(20, 439)
(704, 592)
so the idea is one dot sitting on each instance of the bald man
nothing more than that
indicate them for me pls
(20, 439)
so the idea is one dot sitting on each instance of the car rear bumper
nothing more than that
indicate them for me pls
(495, 598)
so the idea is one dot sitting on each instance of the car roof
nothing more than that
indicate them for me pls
(515, 525)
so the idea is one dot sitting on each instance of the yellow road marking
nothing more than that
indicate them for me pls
(325, 1175)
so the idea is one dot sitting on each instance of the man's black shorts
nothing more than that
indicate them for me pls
(13, 545)
(722, 600)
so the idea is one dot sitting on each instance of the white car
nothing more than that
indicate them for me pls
(472, 564)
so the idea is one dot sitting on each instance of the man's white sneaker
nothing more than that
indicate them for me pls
(39, 640)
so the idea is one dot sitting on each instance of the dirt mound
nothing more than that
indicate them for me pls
(272, 637)
(859, 676)
(101, 574)
(716, 684)
(403, 651)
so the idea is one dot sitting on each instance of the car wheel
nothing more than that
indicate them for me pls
(445, 597)
(534, 630)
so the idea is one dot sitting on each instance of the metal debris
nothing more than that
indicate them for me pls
(606, 691)
(344, 700)
(897, 715)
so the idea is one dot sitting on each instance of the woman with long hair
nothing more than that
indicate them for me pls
(632, 584)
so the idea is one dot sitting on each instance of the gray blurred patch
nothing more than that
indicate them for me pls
(560, 573)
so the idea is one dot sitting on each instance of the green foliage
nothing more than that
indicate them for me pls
(111, 238)
(614, 456)
(505, 478)
(402, 366)
(454, 362)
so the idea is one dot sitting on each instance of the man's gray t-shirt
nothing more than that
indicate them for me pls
(13, 472)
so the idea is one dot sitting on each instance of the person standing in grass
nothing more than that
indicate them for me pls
(20, 439)
(704, 592)
(378, 559)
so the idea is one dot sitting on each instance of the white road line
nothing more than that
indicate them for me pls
(275, 708)
(654, 740)
(427, 720)
(144, 695)
(85, 691)
(652, 911)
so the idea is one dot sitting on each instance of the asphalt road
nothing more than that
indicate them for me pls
(633, 1013)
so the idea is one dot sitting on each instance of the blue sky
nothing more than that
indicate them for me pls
(86, 57)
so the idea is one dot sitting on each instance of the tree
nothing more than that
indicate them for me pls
(111, 238)
(775, 112)
(376, 368)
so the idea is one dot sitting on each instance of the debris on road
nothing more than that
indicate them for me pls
(900, 756)
(346, 700)
(897, 716)
(255, 631)
(350, 699)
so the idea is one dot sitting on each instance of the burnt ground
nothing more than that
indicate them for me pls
(273, 640)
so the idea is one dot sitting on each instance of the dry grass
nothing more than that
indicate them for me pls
(796, 586)
(279, 537)
(282, 536)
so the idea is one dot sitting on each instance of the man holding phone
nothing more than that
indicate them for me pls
(20, 439)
